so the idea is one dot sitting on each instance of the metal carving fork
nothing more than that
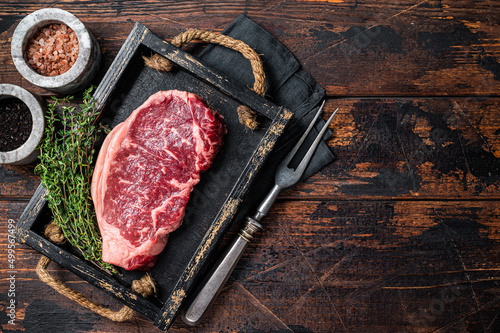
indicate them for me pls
(284, 178)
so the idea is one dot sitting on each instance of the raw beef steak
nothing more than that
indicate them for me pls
(145, 172)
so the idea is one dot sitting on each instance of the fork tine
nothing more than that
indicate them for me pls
(292, 153)
(307, 157)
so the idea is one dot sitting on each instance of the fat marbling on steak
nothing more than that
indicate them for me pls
(145, 171)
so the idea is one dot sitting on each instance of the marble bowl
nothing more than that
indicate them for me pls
(83, 70)
(28, 151)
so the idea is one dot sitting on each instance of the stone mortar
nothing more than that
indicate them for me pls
(28, 152)
(83, 70)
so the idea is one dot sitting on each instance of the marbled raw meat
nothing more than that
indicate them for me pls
(145, 172)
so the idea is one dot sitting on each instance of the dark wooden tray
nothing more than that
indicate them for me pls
(214, 201)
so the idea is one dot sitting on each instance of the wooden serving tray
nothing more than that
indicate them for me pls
(213, 202)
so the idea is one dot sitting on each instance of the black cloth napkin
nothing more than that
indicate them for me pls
(287, 85)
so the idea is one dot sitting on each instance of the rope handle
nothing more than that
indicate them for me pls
(144, 286)
(246, 116)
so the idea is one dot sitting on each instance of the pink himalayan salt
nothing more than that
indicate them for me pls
(52, 50)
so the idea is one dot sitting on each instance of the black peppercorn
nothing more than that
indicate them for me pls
(15, 124)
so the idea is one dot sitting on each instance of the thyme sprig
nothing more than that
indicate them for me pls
(65, 168)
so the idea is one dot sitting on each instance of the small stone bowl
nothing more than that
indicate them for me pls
(83, 70)
(28, 151)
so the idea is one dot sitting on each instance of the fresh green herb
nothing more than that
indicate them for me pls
(66, 156)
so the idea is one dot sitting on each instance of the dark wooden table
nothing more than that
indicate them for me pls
(400, 234)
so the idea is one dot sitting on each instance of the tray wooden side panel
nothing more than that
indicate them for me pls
(120, 64)
(30, 214)
(223, 221)
(194, 66)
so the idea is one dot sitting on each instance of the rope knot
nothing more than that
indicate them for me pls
(246, 116)
(54, 233)
(145, 286)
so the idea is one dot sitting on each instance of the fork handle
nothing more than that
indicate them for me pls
(267, 203)
(216, 279)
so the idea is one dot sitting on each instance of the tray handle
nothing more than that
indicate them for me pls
(144, 286)
(246, 116)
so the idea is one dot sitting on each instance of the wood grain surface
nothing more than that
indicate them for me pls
(400, 234)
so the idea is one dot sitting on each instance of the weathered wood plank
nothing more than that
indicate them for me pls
(419, 148)
(417, 48)
(378, 266)
(405, 148)
(18, 181)
(319, 266)
(399, 234)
